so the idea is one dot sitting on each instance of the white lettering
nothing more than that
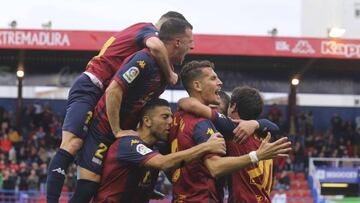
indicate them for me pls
(282, 46)
(34, 38)
(341, 49)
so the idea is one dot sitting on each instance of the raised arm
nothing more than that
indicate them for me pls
(219, 166)
(215, 144)
(159, 51)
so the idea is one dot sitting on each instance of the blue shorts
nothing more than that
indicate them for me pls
(93, 152)
(83, 97)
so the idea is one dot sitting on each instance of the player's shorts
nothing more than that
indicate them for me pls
(93, 152)
(83, 97)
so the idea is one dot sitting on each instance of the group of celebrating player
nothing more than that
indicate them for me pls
(122, 134)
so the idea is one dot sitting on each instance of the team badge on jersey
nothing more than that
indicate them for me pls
(131, 74)
(142, 149)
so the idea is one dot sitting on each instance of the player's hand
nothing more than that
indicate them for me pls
(122, 133)
(279, 148)
(173, 78)
(217, 144)
(156, 195)
(244, 129)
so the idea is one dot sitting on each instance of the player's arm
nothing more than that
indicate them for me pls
(219, 166)
(215, 144)
(159, 51)
(224, 124)
(123, 79)
(114, 94)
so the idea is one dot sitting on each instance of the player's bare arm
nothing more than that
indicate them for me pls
(159, 51)
(215, 145)
(114, 94)
(219, 166)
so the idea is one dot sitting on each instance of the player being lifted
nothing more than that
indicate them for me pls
(90, 85)
(138, 81)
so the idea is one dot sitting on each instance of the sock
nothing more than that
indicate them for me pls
(85, 191)
(56, 175)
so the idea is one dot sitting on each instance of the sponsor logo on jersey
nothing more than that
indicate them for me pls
(142, 149)
(131, 74)
(59, 170)
(221, 115)
(134, 142)
(210, 131)
(141, 63)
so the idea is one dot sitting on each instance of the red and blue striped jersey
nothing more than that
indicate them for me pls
(124, 179)
(119, 46)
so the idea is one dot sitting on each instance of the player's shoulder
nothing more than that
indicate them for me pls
(130, 140)
(142, 25)
(143, 58)
(192, 120)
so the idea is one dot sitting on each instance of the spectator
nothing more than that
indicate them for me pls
(33, 180)
(299, 157)
(357, 122)
(275, 114)
(42, 176)
(336, 123)
(279, 197)
(5, 143)
(283, 181)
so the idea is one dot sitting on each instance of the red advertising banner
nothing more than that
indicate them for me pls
(204, 44)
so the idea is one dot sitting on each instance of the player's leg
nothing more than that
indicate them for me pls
(86, 187)
(83, 96)
(90, 161)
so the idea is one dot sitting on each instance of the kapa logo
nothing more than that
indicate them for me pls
(59, 170)
(303, 47)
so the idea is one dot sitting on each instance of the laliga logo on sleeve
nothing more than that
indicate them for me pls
(142, 149)
(131, 74)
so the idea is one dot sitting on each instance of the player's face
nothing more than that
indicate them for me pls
(211, 85)
(185, 45)
(161, 120)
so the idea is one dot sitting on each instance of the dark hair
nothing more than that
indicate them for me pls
(151, 105)
(193, 70)
(225, 99)
(173, 14)
(249, 103)
(172, 28)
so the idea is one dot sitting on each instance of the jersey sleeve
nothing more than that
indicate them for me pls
(133, 70)
(145, 33)
(133, 150)
(266, 126)
(223, 124)
(202, 131)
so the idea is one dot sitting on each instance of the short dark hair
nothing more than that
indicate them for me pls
(151, 105)
(173, 14)
(249, 103)
(172, 28)
(193, 70)
(225, 99)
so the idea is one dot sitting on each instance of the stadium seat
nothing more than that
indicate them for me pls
(291, 175)
(300, 176)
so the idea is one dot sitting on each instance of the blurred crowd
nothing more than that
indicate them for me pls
(25, 151)
(342, 139)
